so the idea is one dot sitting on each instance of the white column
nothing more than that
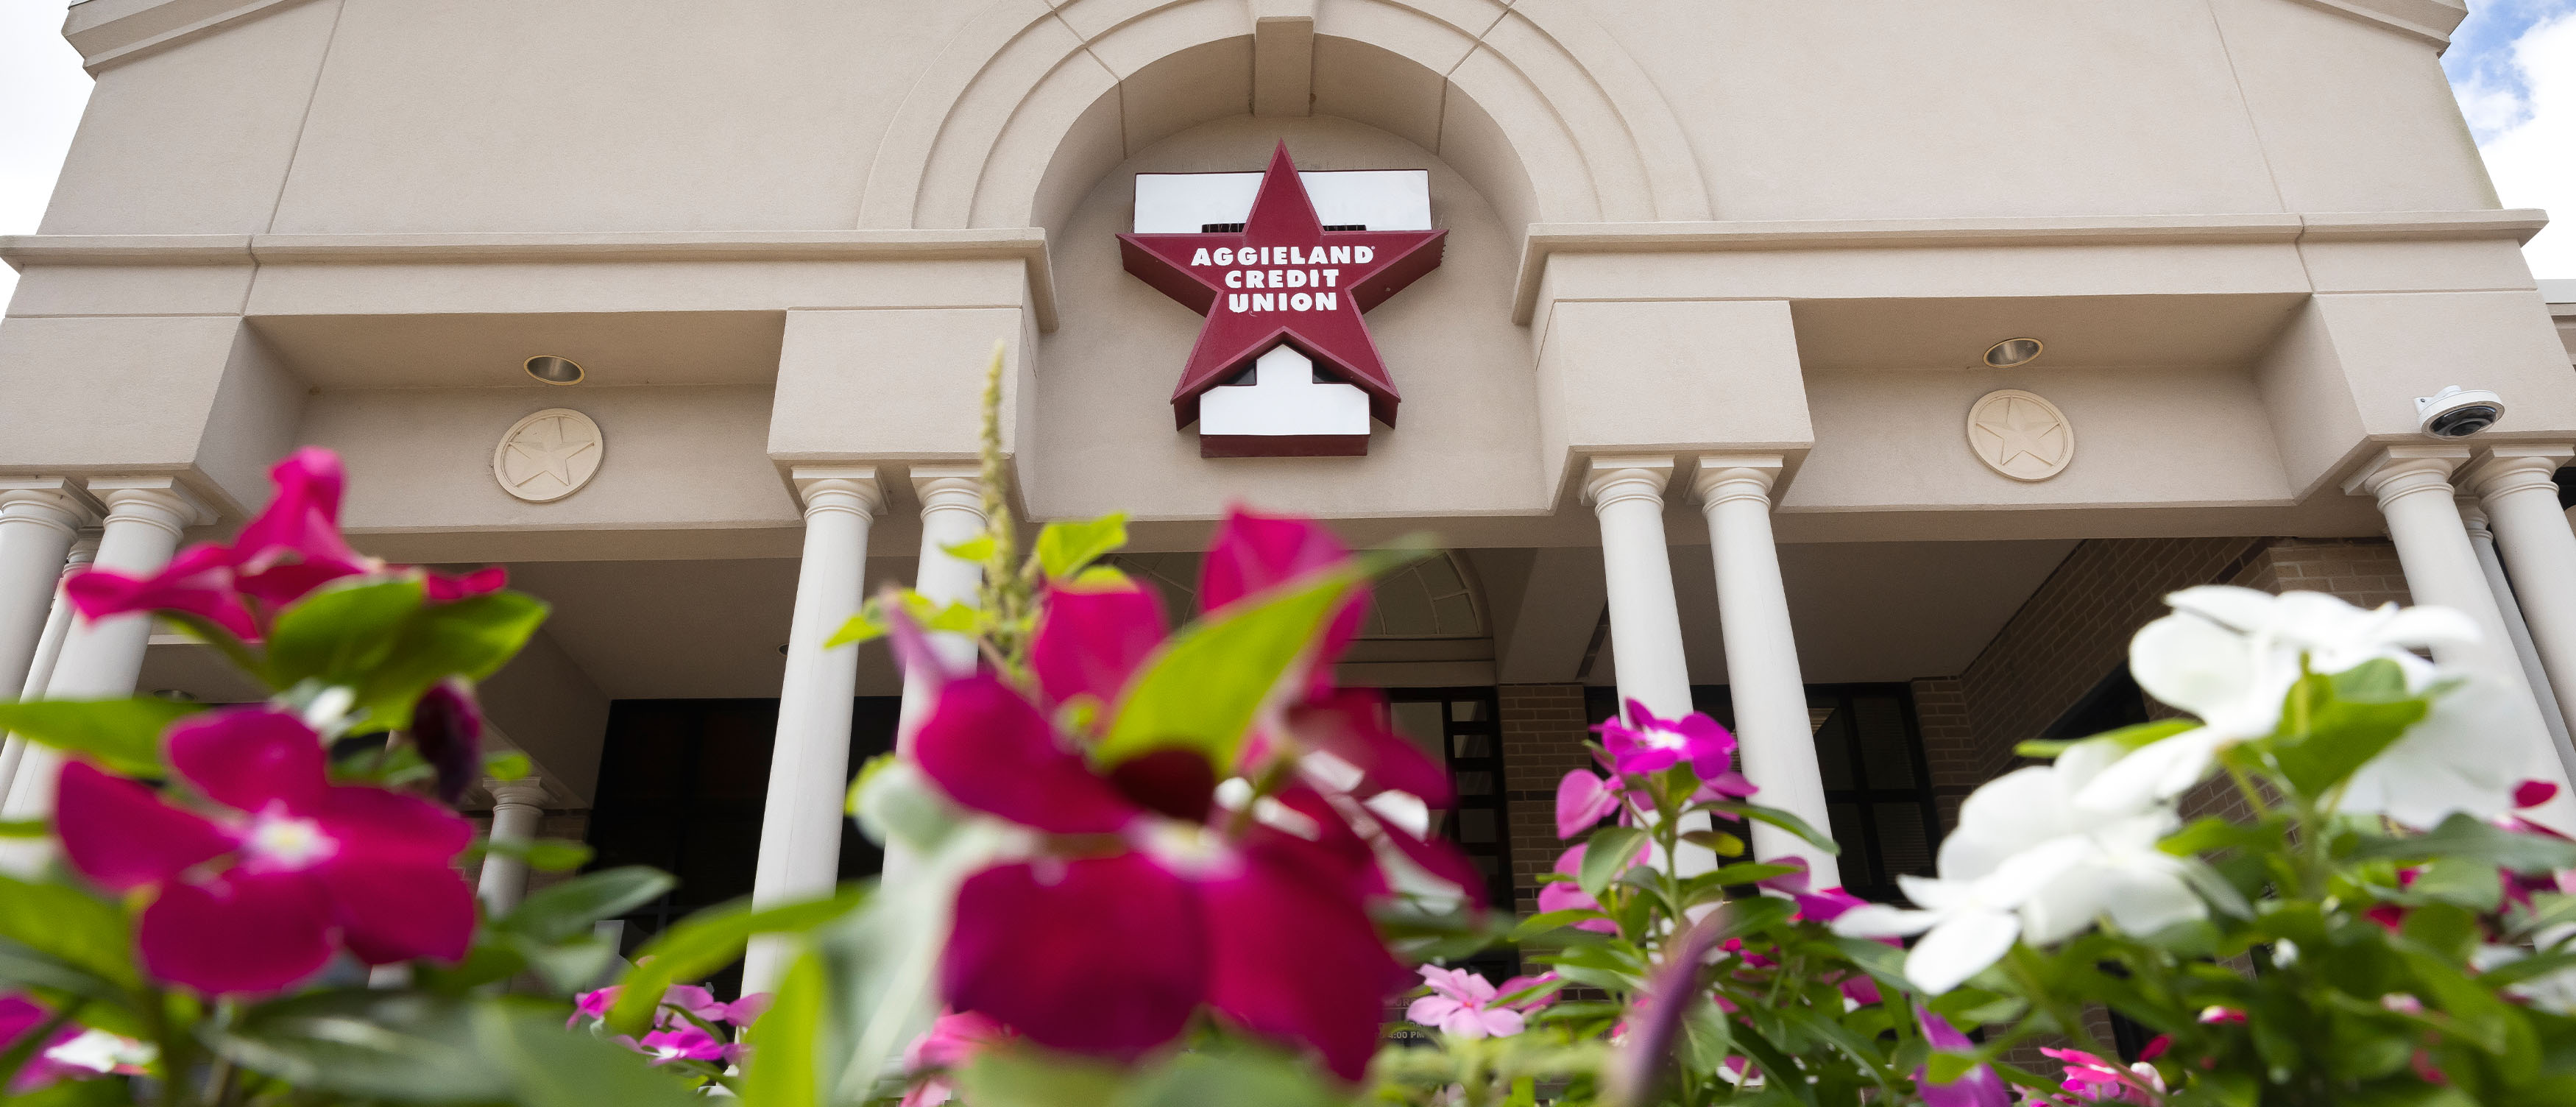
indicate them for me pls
(952, 512)
(1778, 744)
(2413, 486)
(517, 807)
(39, 516)
(49, 648)
(2540, 552)
(2473, 515)
(102, 660)
(1627, 495)
(800, 827)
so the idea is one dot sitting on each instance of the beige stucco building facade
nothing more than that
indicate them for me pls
(1695, 392)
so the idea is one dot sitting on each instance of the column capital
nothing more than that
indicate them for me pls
(2473, 515)
(527, 791)
(155, 498)
(1724, 477)
(957, 485)
(1616, 478)
(57, 502)
(2517, 467)
(2405, 470)
(851, 488)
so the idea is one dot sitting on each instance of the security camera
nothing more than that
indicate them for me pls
(2457, 412)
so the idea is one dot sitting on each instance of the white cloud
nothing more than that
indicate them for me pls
(42, 90)
(2533, 162)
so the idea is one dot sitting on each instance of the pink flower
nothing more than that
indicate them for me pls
(1646, 744)
(1978, 1087)
(285, 870)
(952, 1040)
(690, 998)
(293, 547)
(1462, 1003)
(1582, 800)
(744, 1011)
(1252, 554)
(2215, 1015)
(2091, 1078)
(686, 1043)
(1566, 895)
(19, 1017)
(2533, 793)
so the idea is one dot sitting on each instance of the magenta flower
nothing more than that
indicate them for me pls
(1463, 1003)
(685, 1043)
(1566, 895)
(2092, 1079)
(293, 547)
(1254, 553)
(284, 869)
(1646, 744)
(1582, 800)
(1978, 1087)
(19, 1017)
(1112, 952)
(447, 729)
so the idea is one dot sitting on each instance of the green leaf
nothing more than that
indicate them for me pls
(1013, 1078)
(1231, 1077)
(977, 550)
(1718, 842)
(1947, 1067)
(866, 626)
(383, 640)
(507, 766)
(24, 828)
(1545, 921)
(786, 1070)
(1747, 916)
(341, 631)
(706, 942)
(70, 926)
(1065, 548)
(1775, 817)
(1708, 1035)
(2462, 881)
(569, 908)
(2342, 734)
(398, 1046)
(124, 735)
(1202, 687)
(1606, 854)
(2463, 836)
(550, 1066)
(471, 638)
(2129, 737)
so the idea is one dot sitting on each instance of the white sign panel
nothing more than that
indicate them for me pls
(1355, 199)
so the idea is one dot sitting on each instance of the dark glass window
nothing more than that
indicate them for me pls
(1878, 792)
(1460, 724)
(681, 787)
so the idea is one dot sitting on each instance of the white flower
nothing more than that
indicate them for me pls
(1966, 924)
(2028, 863)
(2467, 755)
(2230, 655)
(100, 1051)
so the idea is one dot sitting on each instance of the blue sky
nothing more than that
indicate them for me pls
(2512, 66)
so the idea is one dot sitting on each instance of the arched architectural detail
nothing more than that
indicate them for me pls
(1533, 102)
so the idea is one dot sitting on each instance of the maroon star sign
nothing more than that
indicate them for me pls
(1283, 279)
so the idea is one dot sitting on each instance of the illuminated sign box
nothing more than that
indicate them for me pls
(1352, 199)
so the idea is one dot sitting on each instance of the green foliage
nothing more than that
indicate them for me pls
(706, 942)
(1065, 549)
(123, 735)
(1201, 689)
(385, 641)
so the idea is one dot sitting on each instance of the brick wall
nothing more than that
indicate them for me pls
(1543, 733)
(2363, 571)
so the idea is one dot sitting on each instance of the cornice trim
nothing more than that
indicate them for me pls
(109, 33)
(2429, 20)
(1026, 245)
(1548, 239)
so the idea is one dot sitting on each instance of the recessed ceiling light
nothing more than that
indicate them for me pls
(2013, 351)
(558, 370)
